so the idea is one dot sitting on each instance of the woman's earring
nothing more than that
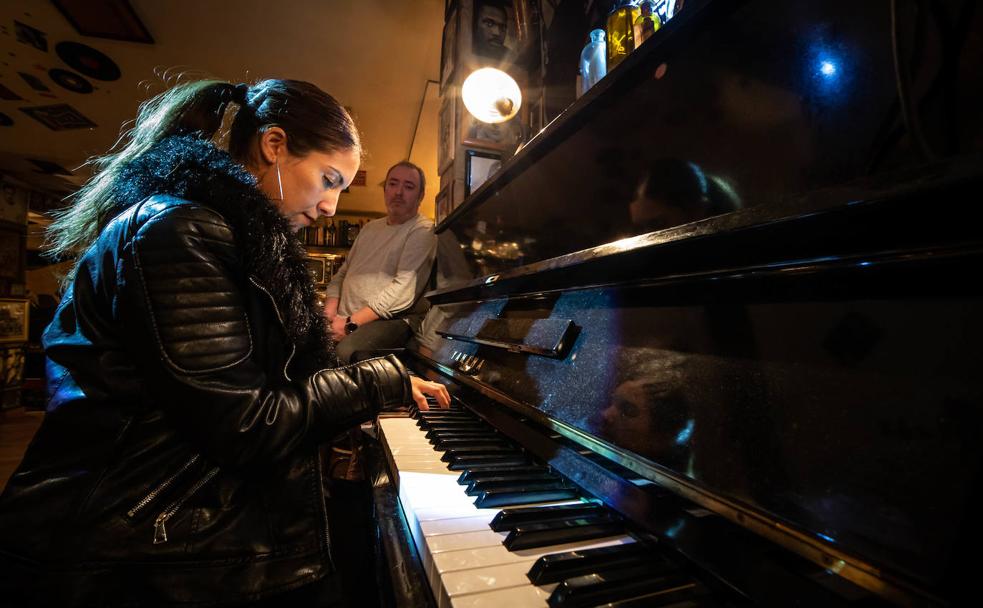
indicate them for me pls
(279, 183)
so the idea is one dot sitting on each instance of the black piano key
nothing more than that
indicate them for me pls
(434, 415)
(476, 487)
(472, 461)
(497, 469)
(689, 596)
(650, 580)
(556, 567)
(563, 531)
(658, 582)
(441, 435)
(450, 454)
(502, 497)
(455, 426)
(452, 442)
(509, 519)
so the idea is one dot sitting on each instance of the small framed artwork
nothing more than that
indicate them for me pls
(479, 166)
(493, 30)
(316, 266)
(13, 320)
(444, 202)
(447, 136)
(448, 47)
(12, 251)
(501, 136)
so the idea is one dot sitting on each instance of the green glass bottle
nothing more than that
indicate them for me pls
(647, 23)
(621, 34)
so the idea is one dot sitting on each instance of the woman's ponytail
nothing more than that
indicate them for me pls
(193, 107)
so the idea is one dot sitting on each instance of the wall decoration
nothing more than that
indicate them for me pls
(12, 252)
(446, 137)
(316, 266)
(113, 19)
(87, 61)
(31, 36)
(49, 168)
(448, 50)
(442, 204)
(502, 136)
(59, 117)
(5, 121)
(33, 81)
(8, 95)
(478, 167)
(492, 30)
(13, 320)
(70, 81)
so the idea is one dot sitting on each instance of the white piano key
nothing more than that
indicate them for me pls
(464, 560)
(491, 555)
(514, 597)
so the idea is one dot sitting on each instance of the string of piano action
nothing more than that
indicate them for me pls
(495, 527)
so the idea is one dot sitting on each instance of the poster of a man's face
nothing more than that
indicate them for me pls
(492, 28)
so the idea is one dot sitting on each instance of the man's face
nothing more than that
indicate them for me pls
(402, 194)
(492, 25)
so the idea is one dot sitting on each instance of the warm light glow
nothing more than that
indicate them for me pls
(491, 95)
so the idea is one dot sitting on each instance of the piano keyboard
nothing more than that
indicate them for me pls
(495, 528)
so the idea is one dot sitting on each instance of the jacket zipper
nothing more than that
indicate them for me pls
(160, 531)
(276, 309)
(324, 507)
(164, 485)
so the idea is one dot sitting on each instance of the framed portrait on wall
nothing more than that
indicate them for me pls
(449, 47)
(447, 136)
(12, 251)
(493, 31)
(443, 202)
(316, 266)
(501, 136)
(13, 320)
(479, 166)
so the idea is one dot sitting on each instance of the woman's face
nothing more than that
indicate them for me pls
(310, 184)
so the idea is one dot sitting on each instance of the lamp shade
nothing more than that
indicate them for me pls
(491, 95)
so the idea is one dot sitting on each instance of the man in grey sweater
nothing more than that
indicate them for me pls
(374, 296)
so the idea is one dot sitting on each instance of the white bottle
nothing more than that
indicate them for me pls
(593, 61)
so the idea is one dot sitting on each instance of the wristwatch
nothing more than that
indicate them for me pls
(350, 326)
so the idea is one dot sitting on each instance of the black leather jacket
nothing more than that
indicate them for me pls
(178, 460)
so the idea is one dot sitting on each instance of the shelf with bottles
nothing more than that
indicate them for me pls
(335, 234)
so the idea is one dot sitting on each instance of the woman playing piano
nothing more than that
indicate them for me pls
(191, 377)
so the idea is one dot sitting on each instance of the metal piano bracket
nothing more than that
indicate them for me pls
(543, 337)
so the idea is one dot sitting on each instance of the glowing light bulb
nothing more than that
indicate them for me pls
(491, 95)
(828, 68)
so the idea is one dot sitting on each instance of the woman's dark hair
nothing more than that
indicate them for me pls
(312, 120)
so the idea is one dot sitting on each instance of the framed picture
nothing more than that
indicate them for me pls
(316, 266)
(443, 201)
(479, 166)
(493, 30)
(447, 136)
(501, 136)
(13, 320)
(448, 48)
(12, 251)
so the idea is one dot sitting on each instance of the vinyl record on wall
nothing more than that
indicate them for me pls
(69, 80)
(87, 60)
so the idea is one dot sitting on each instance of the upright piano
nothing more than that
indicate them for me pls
(713, 335)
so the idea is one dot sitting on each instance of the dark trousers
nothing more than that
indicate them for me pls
(391, 333)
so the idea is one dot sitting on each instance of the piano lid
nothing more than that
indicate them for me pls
(774, 108)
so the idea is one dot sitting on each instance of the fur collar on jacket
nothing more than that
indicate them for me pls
(194, 169)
